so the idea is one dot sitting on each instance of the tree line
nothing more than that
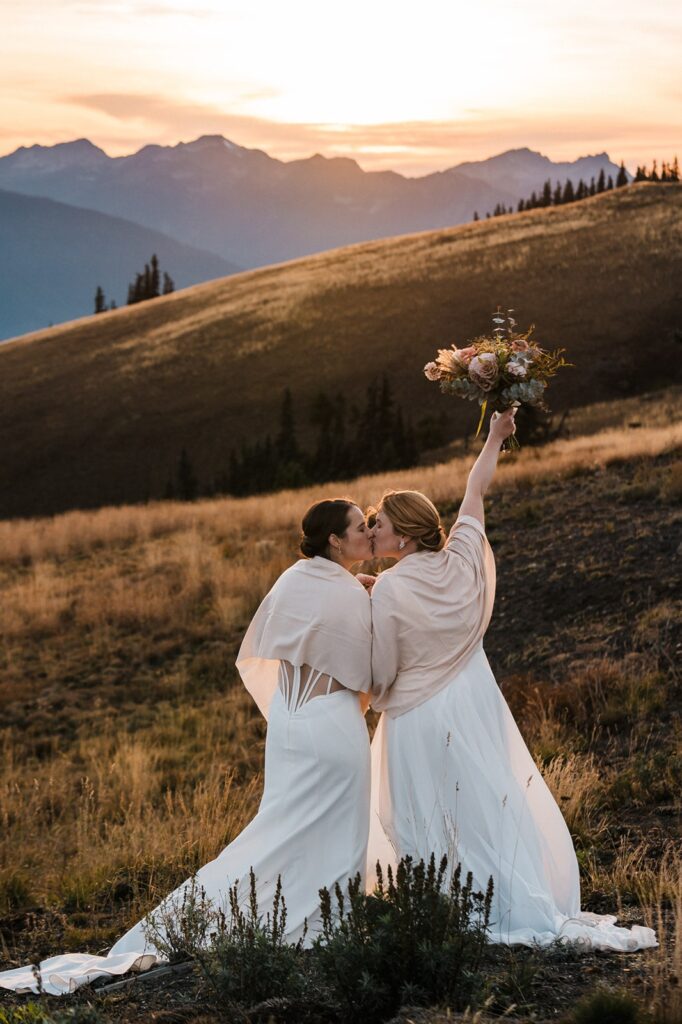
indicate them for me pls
(350, 441)
(146, 284)
(568, 193)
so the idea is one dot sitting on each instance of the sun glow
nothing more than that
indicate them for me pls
(419, 85)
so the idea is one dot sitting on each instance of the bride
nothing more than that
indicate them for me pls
(450, 771)
(305, 659)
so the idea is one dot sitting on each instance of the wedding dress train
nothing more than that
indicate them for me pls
(312, 824)
(451, 773)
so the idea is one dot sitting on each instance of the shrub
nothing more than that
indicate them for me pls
(249, 960)
(413, 941)
(606, 1007)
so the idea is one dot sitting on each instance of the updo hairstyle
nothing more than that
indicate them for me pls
(322, 519)
(414, 515)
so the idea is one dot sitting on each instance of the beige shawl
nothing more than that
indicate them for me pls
(316, 614)
(429, 614)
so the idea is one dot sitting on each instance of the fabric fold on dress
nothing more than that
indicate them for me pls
(451, 773)
(429, 614)
(316, 614)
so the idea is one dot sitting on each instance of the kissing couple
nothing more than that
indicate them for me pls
(448, 771)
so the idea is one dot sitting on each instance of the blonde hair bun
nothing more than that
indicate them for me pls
(414, 515)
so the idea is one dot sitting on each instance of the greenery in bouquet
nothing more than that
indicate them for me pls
(502, 369)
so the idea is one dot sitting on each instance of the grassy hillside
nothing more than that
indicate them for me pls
(130, 754)
(96, 412)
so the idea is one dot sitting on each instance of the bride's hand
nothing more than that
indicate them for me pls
(366, 580)
(502, 424)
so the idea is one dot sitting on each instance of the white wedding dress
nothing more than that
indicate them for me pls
(451, 773)
(312, 824)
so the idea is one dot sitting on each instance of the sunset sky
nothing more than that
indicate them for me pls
(415, 87)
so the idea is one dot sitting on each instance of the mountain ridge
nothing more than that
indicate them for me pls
(53, 256)
(254, 210)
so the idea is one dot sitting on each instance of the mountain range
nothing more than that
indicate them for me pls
(245, 206)
(53, 256)
(96, 412)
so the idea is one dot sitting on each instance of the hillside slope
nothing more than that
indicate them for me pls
(96, 412)
(53, 256)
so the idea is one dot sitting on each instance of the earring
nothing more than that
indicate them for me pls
(402, 544)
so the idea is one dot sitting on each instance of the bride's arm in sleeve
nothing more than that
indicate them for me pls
(483, 470)
(385, 638)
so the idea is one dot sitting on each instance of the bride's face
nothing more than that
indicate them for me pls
(385, 539)
(355, 545)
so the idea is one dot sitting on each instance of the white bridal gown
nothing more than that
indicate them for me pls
(313, 820)
(450, 770)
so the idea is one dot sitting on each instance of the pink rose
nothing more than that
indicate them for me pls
(483, 371)
(465, 355)
(432, 371)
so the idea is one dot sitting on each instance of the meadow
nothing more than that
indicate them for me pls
(205, 368)
(130, 753)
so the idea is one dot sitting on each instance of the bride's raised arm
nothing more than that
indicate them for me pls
(501, 427)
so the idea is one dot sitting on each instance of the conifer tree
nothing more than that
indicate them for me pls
(187, 481)
(601, 181)
(154, 291)
(547, 193)
(593, 186)
(100, 301)
(557, 198)
(581, 190)
(286, 444)
(654, 172)
(675, 170)
(476, 217)
(168, 284)
(622, 178)
(521, 206)
(569, 194)
(609, 184)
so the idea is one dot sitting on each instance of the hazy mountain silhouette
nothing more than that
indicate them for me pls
(53, 256)
(253, 209)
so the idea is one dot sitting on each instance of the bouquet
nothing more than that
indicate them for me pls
(500, 370)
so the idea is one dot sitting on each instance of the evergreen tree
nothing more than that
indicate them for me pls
(476, 217)
(154, 278)
(622, 178)
(601, 182)
(593, 187)
(558, 195)
(609, 184)
(521, 206)
(675, 171)
(547, 193)
(569, 194)
(581, 190)
(100, 301)
(112, 304)
(286, 444)
(187, 481)
(533, 200)
(168, 284)
(654, 173)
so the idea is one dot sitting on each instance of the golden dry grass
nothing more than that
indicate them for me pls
(157, 771)
(232, 520)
